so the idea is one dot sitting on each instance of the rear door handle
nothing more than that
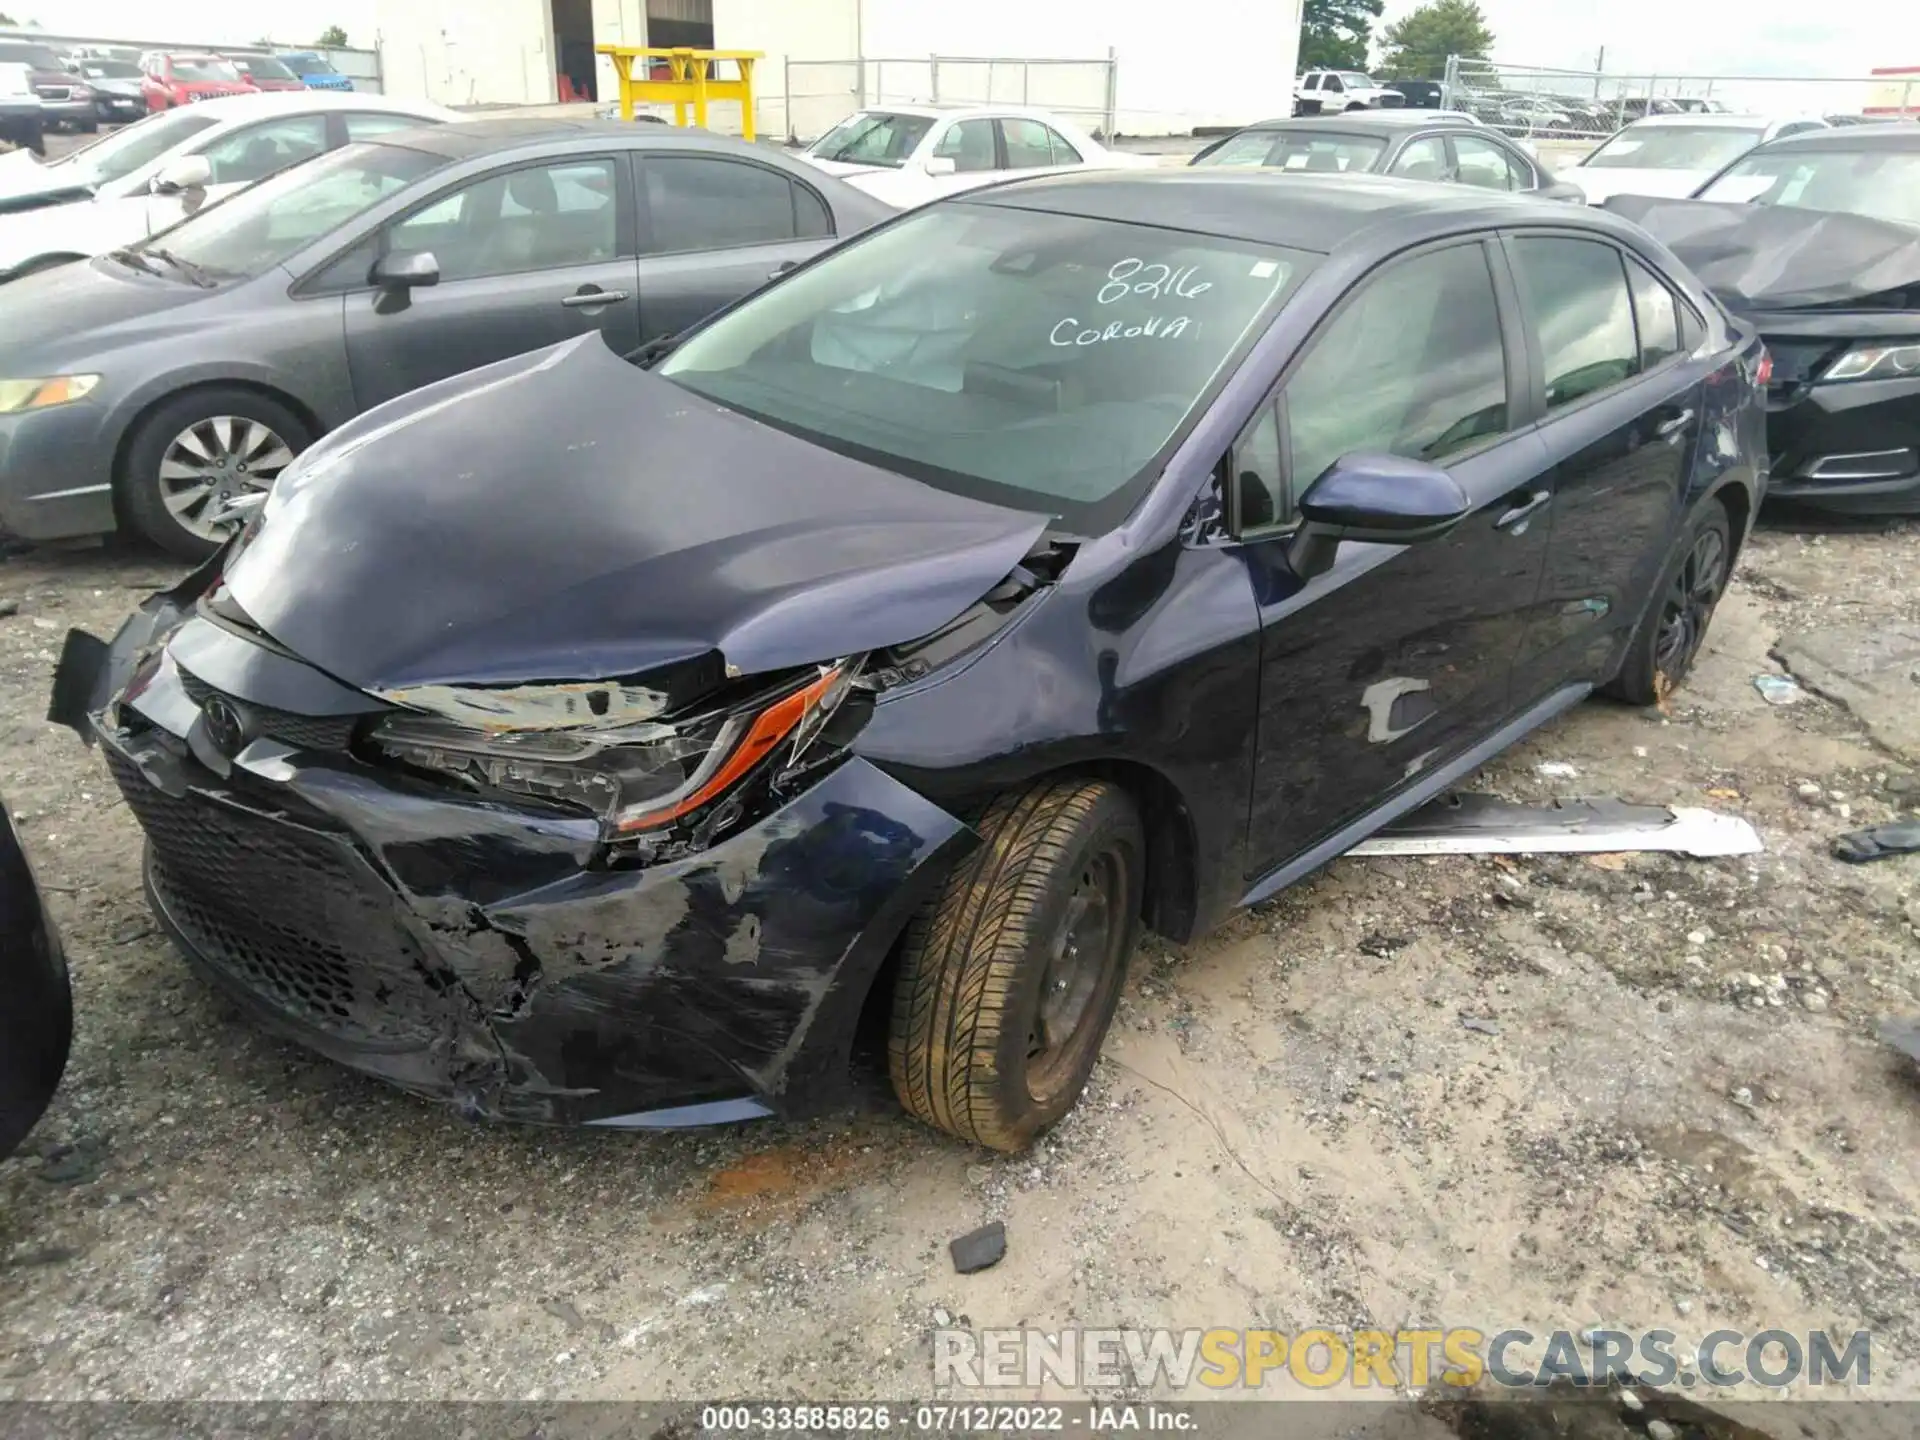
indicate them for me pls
(1518, 514)
(594, 297)
(1674, 428)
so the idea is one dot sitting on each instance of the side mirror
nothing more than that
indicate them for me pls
(188, 172)
(1386, 499)
(941, 165)
(404, 272)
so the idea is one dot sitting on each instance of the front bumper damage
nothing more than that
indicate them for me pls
(486, 954)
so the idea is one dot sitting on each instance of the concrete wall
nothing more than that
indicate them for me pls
(467, 52)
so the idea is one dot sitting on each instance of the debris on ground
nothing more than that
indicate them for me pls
(1469, 824)
(1778, 689)
(1556, 770)
(1877, 842)
(1903, 1034)
(979, 1249)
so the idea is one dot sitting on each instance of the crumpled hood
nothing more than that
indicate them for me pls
(565, 516)
(1601, 182)
(1777, 257)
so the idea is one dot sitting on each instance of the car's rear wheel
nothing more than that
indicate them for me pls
(196, 453)
(1672, 631)
(1010, 977)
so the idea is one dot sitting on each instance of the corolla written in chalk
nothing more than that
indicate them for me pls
(1155, 327)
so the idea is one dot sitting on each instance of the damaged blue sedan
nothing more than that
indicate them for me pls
(585, 741)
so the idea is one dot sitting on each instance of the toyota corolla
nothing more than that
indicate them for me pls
(578, 742)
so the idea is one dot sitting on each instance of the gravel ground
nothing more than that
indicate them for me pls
(1678, 1115)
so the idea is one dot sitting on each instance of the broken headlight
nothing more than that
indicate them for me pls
(635, 777)
(1876, 362)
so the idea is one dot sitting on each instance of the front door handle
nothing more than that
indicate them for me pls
(585, 298)
(1525, 506)
(777, 271)
(1674, 428)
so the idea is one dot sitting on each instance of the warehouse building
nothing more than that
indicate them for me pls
(822, 57)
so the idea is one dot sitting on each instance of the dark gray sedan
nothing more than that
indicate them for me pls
(1435, 145)
(154, 386)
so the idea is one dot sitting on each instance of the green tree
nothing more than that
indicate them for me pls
(1336, 34)
(332, 38)
(1417, 47)
(6, 19)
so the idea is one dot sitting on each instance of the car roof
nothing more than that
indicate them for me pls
(949, 112)
(1885, 135)
(1370, 122)
(467, 138)
(1713, 119)
(1269, 207)
(228, 108)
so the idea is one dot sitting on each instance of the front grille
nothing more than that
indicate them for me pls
(286, 915)
(302, 732)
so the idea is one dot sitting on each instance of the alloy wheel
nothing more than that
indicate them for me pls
(1688, 604)
(214, 461)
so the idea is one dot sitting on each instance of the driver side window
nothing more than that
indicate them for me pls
(1412, 365)
(969, 144)
(258, 151)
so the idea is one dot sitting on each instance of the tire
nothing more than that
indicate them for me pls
(1010, 975)
(1668, 638)
(212, 418)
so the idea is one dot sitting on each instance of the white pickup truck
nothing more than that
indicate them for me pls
(20, 113)
(1329, 92)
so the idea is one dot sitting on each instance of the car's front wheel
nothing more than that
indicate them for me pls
(197, 452)
(1010, 977)
(1663, 649)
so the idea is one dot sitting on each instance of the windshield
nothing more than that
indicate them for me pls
(268, 223)
(1354, 77)
(1297, 150)
(1882, 184)
(110, 70)
(1041, 361)
(1674, 147)
(264, 67)
(873, 138)
(203, 68)
(112, 157)
(38, 56)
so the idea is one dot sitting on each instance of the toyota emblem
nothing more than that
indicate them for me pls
(225, 728)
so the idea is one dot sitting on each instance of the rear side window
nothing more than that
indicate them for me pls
(699, 204)
(1577, 290)
(1657, 313)
(1486, 165)
(1413, 365)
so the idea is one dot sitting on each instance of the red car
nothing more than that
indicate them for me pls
(264, 72)
(172, 79)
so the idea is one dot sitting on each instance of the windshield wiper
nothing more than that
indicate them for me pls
(653, 352)
(193, 272)
(134, 260)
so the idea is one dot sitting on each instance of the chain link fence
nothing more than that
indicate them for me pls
(815, 95)
(1542, 102)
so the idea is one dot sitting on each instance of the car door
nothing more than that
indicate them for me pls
(1399, 657)
(528, 255)
(1029, 145)
(715, 227)
(1621, 405)
(974, 147)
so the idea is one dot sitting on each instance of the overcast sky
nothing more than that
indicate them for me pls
(1761, 37)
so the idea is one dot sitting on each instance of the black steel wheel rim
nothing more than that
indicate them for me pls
(1082, 957)
(1688, 604)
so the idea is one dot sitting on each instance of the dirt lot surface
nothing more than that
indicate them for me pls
(1677, 1114)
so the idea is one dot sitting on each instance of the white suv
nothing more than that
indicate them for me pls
(1328, 92)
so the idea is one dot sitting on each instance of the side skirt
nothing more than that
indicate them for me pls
(1416, 795)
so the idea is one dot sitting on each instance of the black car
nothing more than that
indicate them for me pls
(1420, 94)
(1451, 148)
(36, 1017)
(579, 743)
(1815, 240)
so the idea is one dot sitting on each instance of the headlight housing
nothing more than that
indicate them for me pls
(49, 390)
(636, 778)
(1876, 362)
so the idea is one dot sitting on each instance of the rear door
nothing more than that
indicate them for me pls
(1400, 656)
(529, 255)
(1621, 405)
(713, 228)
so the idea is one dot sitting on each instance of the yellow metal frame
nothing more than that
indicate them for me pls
(692, 82)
